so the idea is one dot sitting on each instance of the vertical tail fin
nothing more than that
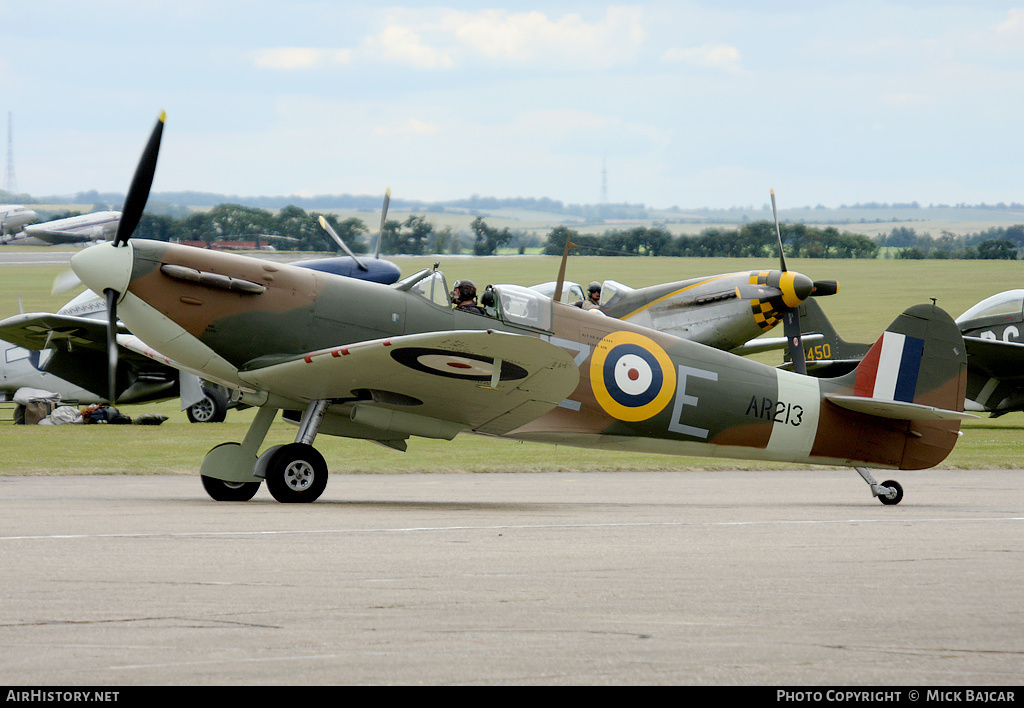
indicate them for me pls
(920, 358)
(916, 372)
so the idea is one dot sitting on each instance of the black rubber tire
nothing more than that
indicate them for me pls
(296, 473)
(219, 490)
(212, 409)
(899, 493)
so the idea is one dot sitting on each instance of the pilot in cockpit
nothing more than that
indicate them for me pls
(464, 297)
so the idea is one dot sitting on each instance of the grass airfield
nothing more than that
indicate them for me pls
(871, 294)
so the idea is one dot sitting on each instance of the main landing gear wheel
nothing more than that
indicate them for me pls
(896, 498)
(219, 490)
(296, 473)
(212, 409)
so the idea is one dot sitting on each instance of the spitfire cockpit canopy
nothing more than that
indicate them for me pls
(524, 307)
(612, 291)
(572, 293)
(429, 284)
(1010, 302)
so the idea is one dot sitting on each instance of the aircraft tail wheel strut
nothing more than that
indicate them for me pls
(888, 492)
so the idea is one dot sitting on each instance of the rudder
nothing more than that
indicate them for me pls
(919, 361)
(920, 358)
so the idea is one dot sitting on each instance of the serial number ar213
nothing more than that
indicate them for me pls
(776, 411)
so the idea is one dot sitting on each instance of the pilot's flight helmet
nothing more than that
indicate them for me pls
(487, 299)
(463, 290)
(594, 287)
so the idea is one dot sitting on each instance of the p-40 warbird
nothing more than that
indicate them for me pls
(991, 330)
(363, 360)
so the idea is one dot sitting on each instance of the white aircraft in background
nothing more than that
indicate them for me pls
(84, 228)
(13, 218)
(63, 353)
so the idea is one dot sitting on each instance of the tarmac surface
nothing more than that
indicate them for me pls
(791, 578)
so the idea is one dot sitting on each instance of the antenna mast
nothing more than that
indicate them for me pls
(604, 181)
(10, 183)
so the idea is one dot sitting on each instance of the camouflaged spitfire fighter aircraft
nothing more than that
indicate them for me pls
(387, 362)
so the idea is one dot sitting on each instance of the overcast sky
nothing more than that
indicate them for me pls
(708, 103)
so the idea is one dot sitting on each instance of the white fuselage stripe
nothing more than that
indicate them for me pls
(795, 419)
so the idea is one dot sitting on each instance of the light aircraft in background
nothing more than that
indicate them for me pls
(13, 218)
(83, 228)
(375, 270)
(992, 331)
(66, 353)
(728, 311)
(362, 360)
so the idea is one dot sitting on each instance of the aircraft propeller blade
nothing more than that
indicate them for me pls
(64, 282)
(138, 192)
(790, 315)
(778, 233)
(338, 240)
(791, 326)
(111, 296)
(383, 217)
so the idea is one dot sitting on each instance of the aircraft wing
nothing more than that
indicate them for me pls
(37, 330)
(767, 344)
(56, 238)
(1000, 360)
(486, 381)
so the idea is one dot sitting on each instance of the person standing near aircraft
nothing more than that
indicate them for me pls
(464, 297)
(593, 296)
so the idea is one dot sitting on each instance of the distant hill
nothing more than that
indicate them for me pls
(868, 218)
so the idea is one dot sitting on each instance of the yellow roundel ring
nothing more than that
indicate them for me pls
(632, 377)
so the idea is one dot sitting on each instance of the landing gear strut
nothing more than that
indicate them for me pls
(297, 473)
(888, 492)
(294, 472)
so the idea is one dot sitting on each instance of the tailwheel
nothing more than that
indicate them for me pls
(296, 473)
(889, 492)
(895, 495)
(220, 490)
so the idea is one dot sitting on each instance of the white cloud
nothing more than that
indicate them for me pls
(408, 128)
(710, 56)
(402, 44)
(294, 58)
(1013, 24)
(443, 39)
(530, 37)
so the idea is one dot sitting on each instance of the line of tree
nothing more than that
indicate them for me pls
(755, 240)
(997, 242)
(293, 229)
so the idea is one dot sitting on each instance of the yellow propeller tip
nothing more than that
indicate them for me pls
(163, 116)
